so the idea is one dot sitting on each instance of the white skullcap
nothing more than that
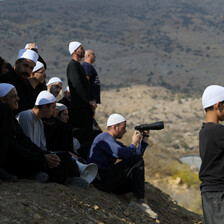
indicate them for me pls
(53, 80)
(212, 95)
(28, 54)
(66, 89)
(38, 66)
(115, 119)
(45, 97)
(5, 88)
(73, 46)
(28, 46)
(60, 106)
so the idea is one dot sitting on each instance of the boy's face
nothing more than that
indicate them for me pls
(220, 107)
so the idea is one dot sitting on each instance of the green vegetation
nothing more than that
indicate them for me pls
(187, 176)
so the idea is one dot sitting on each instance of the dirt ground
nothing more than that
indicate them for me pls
(35, 203)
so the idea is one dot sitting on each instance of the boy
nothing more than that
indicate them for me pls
(211, 147)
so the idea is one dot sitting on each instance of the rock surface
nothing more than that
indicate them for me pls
(35, 203)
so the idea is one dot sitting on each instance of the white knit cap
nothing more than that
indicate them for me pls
(73, 46)
(60, 106)
(54, 80)
(45, 97)
(28, 54)
(38, 66)
(28, 46)
(212, 95)
(115, 119)
(66, 89)
(5, 88)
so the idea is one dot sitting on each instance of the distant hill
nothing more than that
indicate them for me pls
(170, 43)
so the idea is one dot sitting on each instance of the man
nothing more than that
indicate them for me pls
(41, 86)
(54, 86)
(91, 74)
(66, 100)
(30, 120)
(126, 175)
(25, 159)
(83, 102)
(37, 80)
(211, 148)
(33, 46)
(6, 118)
(24, 65)
(33, 127)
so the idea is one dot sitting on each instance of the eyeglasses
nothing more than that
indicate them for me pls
(41, 72)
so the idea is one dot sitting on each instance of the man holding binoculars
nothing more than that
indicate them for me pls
(127, 175)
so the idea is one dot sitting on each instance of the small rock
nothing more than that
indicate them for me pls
(95, 207)
(126, 213)
(36, 216)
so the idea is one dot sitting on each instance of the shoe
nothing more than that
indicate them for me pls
(41, 177)
(77, 181)
(7, 177)
(140, 203)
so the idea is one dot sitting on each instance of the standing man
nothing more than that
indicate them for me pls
(211, 148)
(24, 65)
(91, 74)
(128, 175)
(83, 103)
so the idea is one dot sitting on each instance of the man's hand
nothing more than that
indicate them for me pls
(146, 136)
(93, 105)
(75, 156)
(136, 138)
(53, 160)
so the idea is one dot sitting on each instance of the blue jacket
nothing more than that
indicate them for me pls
(105, 150)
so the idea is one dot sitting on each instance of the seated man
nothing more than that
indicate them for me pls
(23, 68)
(66, 100)
(37, 79)
(25, 159)
(33, 127)
(126, 175)
(30, 120)
(54, 86)
(6, 118)
(59, 134)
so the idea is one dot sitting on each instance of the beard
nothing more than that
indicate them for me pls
(24, 75)
(81, 54)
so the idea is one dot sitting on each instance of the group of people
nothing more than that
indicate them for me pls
(42, 139)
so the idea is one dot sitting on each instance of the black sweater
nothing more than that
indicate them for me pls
(211, 146)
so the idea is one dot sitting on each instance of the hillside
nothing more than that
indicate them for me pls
(27, 202)
(182, 115)
(175, 44)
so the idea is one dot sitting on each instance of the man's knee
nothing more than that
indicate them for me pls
(136, 159)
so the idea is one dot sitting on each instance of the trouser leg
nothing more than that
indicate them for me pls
(213, 207)
(124, 177)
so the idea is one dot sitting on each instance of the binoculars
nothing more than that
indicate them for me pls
(153, 126)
